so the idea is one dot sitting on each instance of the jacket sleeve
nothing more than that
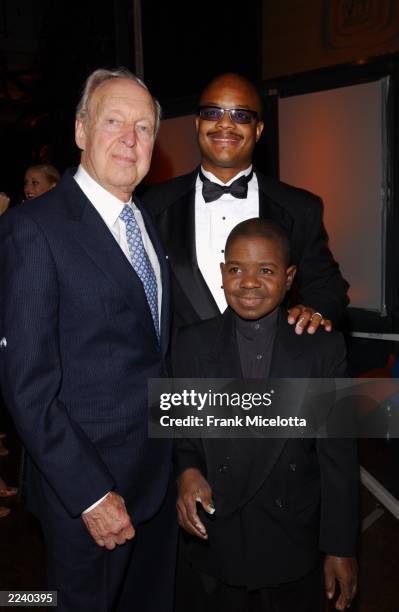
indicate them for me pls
(339, 473)
(319, 280)
(31, 368)
(187, 452)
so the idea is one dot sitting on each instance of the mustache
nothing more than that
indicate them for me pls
(225, 134)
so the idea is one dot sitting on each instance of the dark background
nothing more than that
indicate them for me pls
(48, 48)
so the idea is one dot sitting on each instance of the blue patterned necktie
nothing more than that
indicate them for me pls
(140, 262)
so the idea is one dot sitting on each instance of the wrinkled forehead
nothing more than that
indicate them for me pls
(123, 94)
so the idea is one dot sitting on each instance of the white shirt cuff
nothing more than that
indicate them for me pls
(95, 503)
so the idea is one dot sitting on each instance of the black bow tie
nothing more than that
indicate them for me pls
(213, 191)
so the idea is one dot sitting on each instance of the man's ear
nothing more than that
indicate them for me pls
(197, 120)
(80, 134)
(290, 273)
(259, 129)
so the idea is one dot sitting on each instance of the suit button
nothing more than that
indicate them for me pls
(222, 469)
(279, 502)
(292, 467)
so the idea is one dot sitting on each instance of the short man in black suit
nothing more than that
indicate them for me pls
(278, 510)
(194, 216)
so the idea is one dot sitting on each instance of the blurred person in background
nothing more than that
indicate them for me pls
(4, 202)
(39, 179)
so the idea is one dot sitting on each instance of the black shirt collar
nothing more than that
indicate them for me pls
(253, 329)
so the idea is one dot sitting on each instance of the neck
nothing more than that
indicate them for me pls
(223, 174)
(121, 194)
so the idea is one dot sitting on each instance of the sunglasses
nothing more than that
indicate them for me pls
(237, 115)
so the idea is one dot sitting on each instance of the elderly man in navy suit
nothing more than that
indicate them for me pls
(84, 322)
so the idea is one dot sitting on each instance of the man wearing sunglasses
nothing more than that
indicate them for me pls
(195, 213)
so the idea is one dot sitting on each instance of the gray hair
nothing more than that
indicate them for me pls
(100, 76)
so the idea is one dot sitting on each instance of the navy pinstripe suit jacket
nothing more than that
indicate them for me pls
(80, 346)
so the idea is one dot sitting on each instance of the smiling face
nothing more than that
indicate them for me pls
(117, 137)
(226, 147)
(36, 183)
(255, 276)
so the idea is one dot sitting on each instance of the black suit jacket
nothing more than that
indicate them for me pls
(80, 346)
(319, 283)
(299, 496)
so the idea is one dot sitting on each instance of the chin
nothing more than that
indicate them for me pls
(125, 183)
(249, 315)
(225, 161)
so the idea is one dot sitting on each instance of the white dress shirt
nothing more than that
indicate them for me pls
(214, 222)
(109, 208)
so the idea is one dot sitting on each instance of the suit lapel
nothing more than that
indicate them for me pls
(223, 361)
(270, 208)
(93, 235)
(178, 229)
(287, 350)
(165, 277)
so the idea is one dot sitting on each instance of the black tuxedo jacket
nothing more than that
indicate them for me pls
(298, 497)
(319, 283)
(80, 345)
